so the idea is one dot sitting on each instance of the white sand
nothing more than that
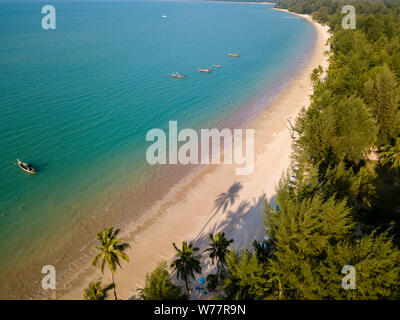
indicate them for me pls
(186, 213)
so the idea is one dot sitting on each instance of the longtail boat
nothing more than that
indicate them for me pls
(204, 70)
(26, 167)
(236, 55)
(177, 75)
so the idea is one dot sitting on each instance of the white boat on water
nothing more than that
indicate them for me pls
(26, 167)
(177, 75)
(235, 55)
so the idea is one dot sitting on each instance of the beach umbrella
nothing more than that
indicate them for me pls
(202, 281)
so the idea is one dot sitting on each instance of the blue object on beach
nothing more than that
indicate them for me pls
(198, 288)
(277, 208)
(202, 281)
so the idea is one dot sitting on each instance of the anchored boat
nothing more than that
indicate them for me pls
(205, 70)
(177, 75)
(26, 167)
(236, 55)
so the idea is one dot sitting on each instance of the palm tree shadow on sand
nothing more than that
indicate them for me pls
(224, 200)
(245, 221)
(237, 220)
(228, 198)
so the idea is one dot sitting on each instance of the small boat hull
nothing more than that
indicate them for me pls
(177, 75)
(234, 55)
(205, 70)
(25, 167)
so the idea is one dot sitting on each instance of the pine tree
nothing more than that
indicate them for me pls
(247, 278)
(358, 189)
(158, 285)
(392, 157)
(355, 130)
(382, 95)
(331, 131)
(302, 233)
(377, 269)
(313, 240)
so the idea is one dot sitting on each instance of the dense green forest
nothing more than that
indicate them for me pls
(343, 208)
(343, 205)
(326, 10)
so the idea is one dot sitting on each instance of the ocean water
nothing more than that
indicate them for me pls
(78, 101)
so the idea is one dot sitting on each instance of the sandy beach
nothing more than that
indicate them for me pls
(214, 199)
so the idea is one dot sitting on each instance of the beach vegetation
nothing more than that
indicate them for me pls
(95, 291)
(391, 157)
(110, 252)
(158, 285)
(382, 95)
(247, 277)
(314, 238)
(187, 263)
(316, 76)
(212, 282)
(218, 250)
(342, 209)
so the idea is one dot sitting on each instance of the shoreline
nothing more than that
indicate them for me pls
(190, 213)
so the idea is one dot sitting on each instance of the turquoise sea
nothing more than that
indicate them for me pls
(77, 103)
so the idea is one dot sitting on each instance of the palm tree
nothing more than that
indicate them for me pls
(110, 251)
(218, 249)
(186, 263)
(392, 156)
(96, 292)
(316, 76)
